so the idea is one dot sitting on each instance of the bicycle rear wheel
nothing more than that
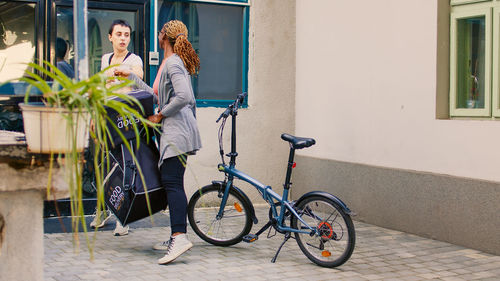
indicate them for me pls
(228, 230)
(334, 244)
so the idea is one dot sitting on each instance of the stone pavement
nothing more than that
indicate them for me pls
(380, 254)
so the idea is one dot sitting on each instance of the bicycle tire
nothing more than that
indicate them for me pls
(203, 208)
(335, 244)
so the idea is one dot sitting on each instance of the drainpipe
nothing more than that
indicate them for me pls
(154, 56)
(80, 28)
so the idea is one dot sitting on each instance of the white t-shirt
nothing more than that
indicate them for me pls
(131, 60)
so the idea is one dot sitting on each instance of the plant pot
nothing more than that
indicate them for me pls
(48, 129)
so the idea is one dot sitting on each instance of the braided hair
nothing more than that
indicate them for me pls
(177, 35)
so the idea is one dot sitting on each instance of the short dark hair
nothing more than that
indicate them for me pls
(119, 22)
(61, 47)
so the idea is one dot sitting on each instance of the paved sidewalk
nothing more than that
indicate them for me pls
(380, 254)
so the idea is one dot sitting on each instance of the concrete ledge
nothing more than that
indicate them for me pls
(21, 251)
(21, 170)
(23, 186)
(457, 210)
(36, 178)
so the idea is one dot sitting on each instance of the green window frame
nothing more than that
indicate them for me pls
(475, 58)
(496, 62)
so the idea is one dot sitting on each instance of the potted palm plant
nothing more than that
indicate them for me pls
(72, 111)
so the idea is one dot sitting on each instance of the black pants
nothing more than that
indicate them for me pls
(172, 178)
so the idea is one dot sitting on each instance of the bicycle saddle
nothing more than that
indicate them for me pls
(297, 142)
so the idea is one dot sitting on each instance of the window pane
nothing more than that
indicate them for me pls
(99, 22)
(470, 63)
(216, 33)
(17, 38)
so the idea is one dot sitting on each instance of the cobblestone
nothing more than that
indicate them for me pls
(380, 254)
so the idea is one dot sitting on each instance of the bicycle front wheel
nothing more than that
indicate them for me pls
(227, 230)
(334, 242)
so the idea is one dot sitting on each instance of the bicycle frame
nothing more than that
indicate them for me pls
(266, 191)
(327, 238)
(267, 194)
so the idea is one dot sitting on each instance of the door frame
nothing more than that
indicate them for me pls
(141, 36)
(140, 7)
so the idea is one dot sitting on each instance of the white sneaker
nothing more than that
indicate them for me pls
(162, 246)
(177, 246)
(102, 220)
(120, 230)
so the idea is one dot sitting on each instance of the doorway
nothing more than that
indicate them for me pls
(100, 16)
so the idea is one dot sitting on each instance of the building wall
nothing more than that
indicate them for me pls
(461, 211)
(22, 234)
(366, 90)
(271, 105)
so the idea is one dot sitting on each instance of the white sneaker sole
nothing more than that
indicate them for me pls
(169, 259)
(102, 223)
(120, 233)
(120, 230)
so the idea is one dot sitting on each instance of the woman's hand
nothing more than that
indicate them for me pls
(110, 72)
(155, 118)
(137, 70)
(122, 71)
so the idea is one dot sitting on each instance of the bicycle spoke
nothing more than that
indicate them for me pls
(335, 245)
(219, 224)
(210, 227)
(319, 248)
(226, 230)
(336, 215)
(331, 244)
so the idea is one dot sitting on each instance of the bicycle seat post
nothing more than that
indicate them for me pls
(290, 166)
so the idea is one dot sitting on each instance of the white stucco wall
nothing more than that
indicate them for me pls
(270, 112)
(366, 90)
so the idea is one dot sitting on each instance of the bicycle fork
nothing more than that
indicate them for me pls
(223, 202)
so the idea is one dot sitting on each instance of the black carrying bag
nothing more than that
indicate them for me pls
(123, 124)
(124, 191)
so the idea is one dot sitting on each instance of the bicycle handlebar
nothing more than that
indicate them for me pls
(241, 97)
(233, 107)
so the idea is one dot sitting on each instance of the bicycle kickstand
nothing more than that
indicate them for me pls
(287, 236)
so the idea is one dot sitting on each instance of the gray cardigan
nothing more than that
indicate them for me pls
(178, 106)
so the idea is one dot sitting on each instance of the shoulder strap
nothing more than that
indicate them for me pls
(110, 57)
(128, 54)
(128, 167)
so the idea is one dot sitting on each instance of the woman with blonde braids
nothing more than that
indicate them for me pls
(180, 137)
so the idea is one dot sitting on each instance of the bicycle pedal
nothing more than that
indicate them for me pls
(249, 238)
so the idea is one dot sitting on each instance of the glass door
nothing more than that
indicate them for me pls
(61, 41)
(21, 36)
(17, 38)
(100, 16)
(99, 21)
